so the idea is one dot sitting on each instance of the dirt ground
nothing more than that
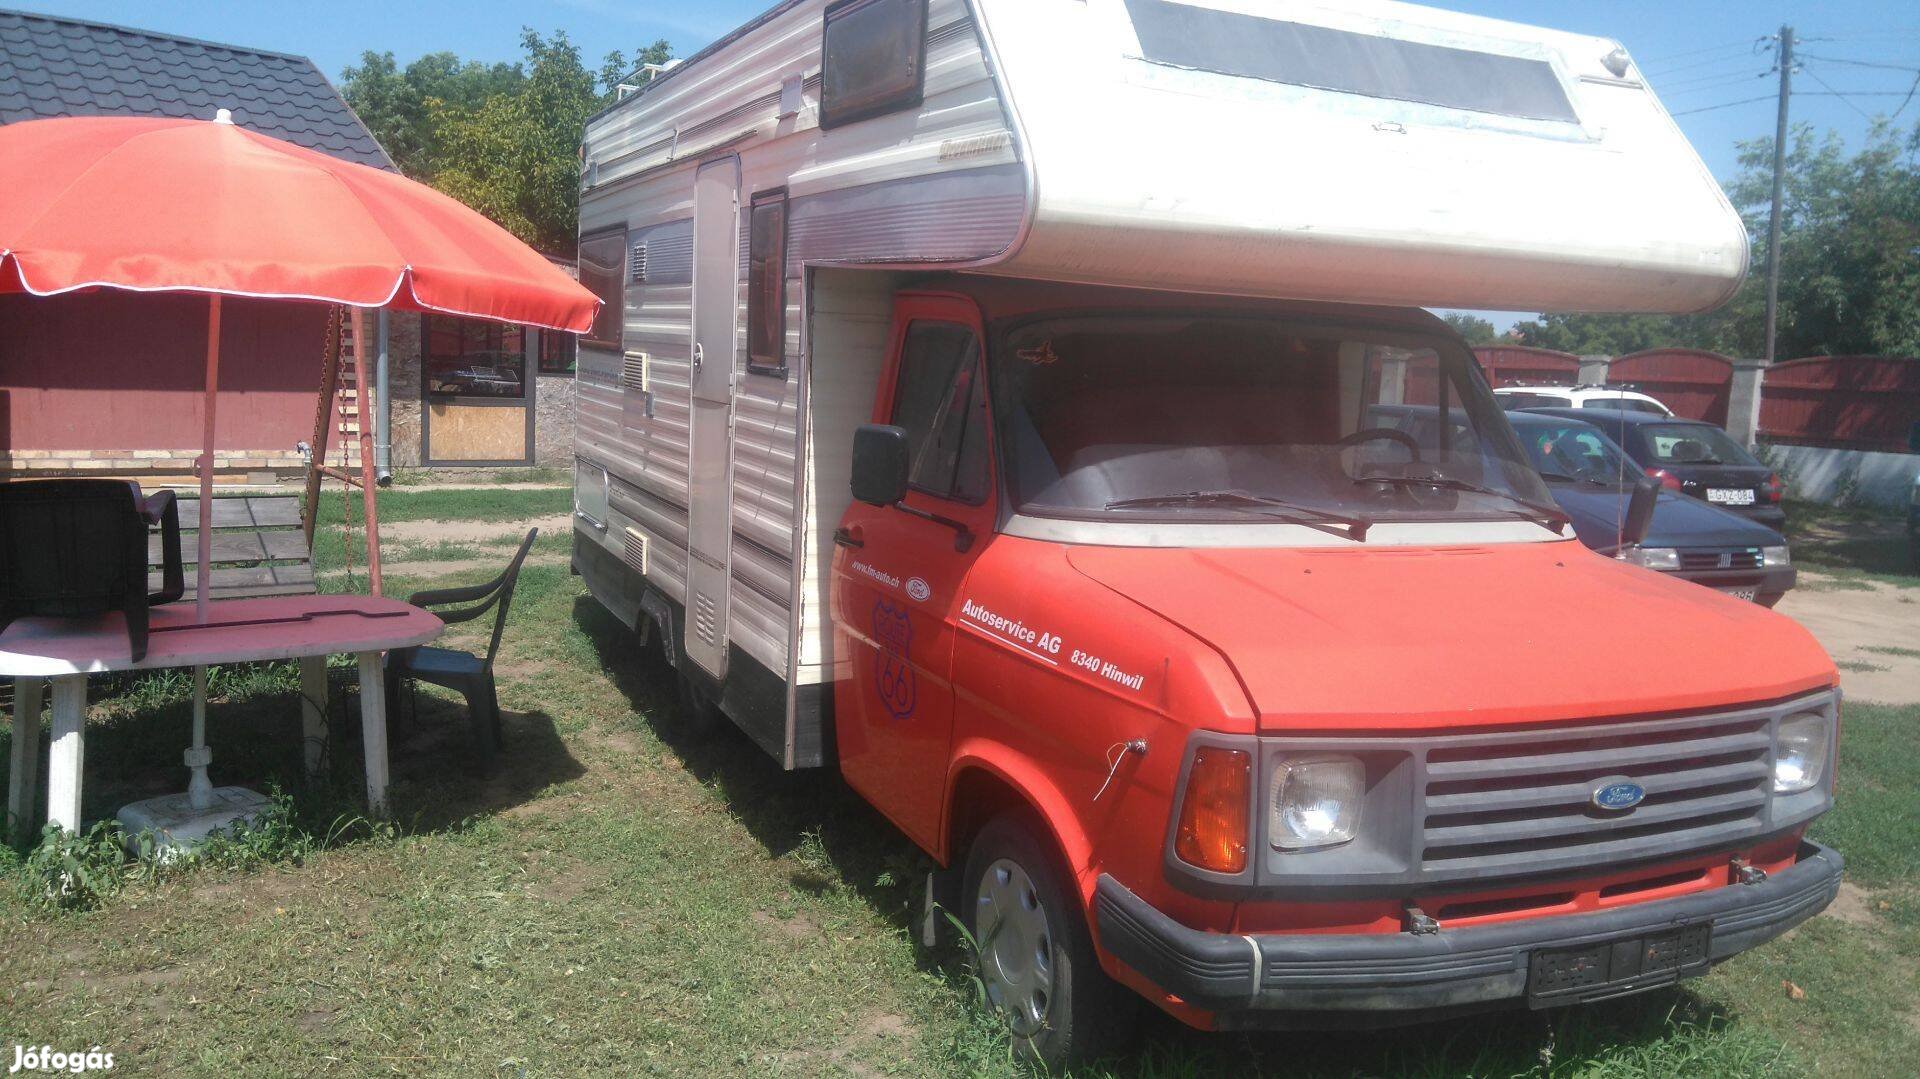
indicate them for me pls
(1872, 630)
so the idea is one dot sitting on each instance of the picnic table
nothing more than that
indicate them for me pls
(307, 628)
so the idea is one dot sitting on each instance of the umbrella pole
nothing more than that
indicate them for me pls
(364, 395)
(198, 756)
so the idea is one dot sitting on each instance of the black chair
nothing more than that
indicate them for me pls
(471, 675)
(78, 549)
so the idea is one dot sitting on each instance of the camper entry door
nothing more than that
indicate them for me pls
(716, 280)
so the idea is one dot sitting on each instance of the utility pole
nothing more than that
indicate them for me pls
(1785, 57)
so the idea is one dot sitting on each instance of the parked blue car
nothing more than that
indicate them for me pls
(1592, 480)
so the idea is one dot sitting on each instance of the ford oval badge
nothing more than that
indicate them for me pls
(1618, 793)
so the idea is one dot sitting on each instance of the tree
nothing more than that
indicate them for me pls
(394, 103)
(1849, 260)
(1476, 330)
(515, 157)
(502, 138)
(614, 70)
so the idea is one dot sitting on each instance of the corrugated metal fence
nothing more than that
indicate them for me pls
(1516, 365)
(1693, 382)
(1842, 402)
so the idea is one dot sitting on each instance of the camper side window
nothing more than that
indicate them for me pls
(767, 285)
(603, 271)
(873, 59)
(939, 401)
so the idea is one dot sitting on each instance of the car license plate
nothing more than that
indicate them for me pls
(1748, 594)
(1616, 967)
(1730, 496)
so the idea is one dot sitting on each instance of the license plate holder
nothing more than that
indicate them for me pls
(1730, 496)
(1617, 967)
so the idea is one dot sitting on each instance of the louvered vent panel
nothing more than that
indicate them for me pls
(635, 551)
(706, 618)
(637, 263)
(634, 374)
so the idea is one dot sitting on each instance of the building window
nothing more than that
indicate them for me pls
(603, 271)
(767, 285)
(556, 352)
(940, 402)
(873, 60)
(465, 357)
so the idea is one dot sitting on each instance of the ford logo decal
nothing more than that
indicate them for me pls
(1618, 793)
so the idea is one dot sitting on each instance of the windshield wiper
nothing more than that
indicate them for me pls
(1582, 478)
(1551, 516)
(1354, 527)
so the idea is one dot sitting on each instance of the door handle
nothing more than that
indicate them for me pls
(699, 355)
(848, 538)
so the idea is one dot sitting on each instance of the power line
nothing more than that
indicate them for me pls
(1735, 81)
(1858, 63)
(1816, 78)
(1698, 80)
(1907, 101)
(1724, 105)
(1694, 52)
(1662, 72)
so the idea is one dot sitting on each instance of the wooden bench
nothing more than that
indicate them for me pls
(258, 548)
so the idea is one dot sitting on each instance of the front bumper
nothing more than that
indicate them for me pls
(1416, 975)
(1767, 582)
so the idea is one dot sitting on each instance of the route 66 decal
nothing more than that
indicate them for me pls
(893, 673)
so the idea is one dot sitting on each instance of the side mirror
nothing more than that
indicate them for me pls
(1640, 504)
(879, 464)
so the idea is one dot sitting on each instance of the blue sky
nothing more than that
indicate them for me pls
(1697, 54)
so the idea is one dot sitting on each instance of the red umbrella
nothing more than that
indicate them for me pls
(158, 205)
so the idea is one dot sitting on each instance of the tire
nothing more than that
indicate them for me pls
(1067, 1011)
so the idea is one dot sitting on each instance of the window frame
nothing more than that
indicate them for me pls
(759, 313)
(980, 398)
(906, 98)
(567, 348)
(461, 328)
(616, 304)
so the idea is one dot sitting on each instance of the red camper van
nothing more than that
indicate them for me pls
(1054, 482)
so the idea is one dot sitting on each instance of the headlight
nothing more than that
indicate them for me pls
(1775, 556)
(1800, 752)
(1316, 801)
(1651, 557)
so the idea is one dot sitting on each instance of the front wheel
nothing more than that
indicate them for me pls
(1036, 959)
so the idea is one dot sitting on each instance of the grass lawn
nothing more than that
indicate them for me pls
(611, 901)
(1850, 546)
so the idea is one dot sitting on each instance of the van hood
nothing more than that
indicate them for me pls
(1394, 638)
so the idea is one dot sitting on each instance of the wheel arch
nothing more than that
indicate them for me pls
(987, 779)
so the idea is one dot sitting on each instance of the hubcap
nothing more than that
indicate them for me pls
(1016, 948)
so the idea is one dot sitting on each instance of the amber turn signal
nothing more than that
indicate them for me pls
(1213, 816)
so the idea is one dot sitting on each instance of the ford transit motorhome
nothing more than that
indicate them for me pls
(981, 408)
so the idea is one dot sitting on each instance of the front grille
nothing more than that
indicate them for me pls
(1521, 802)
(1691, 560)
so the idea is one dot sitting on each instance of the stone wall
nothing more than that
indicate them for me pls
(403, 386)
(553, 421)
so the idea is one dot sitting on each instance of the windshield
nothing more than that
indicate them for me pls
(1573, 451)
(1242, 418)
(1693, 444)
